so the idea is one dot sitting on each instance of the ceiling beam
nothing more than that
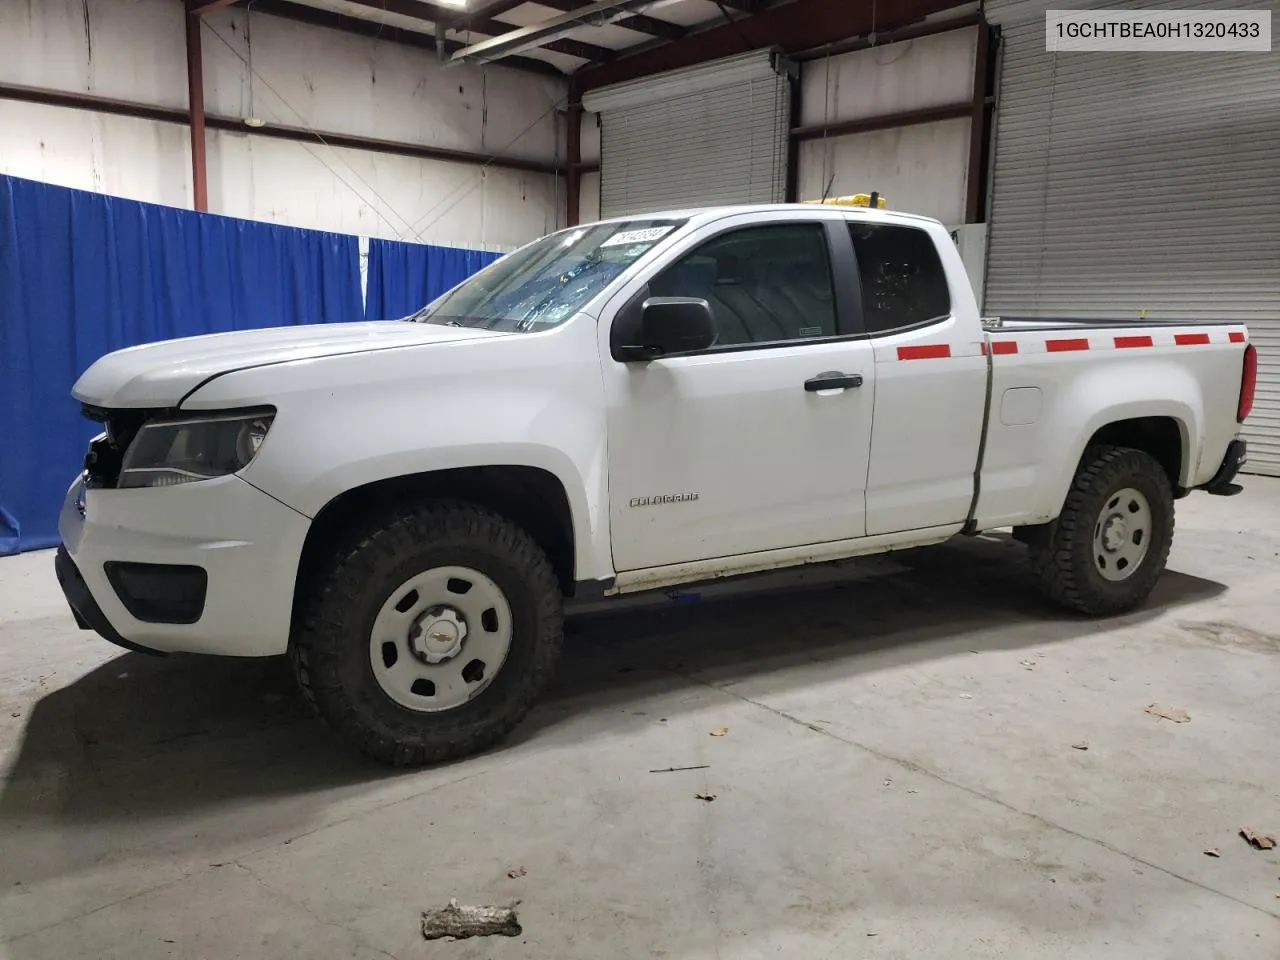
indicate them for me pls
(546, 34)
(199, 7)
(495, 8)
(314, 16)
(641, 23)
(798, 25)
(431, 13)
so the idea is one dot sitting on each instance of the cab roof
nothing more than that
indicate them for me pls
(704, 214)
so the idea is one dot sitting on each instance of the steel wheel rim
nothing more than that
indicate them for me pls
(1122, 535)
(430, 634)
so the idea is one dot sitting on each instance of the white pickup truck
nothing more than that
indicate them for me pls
(403, 506)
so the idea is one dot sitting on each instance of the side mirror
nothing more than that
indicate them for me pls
(672, 325)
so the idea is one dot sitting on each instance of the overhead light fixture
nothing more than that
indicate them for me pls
(251, 119)
(527, 38)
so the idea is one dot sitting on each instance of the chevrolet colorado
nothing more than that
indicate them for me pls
(403, 506)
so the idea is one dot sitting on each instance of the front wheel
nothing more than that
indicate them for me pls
(1105, 552)
(430, 639)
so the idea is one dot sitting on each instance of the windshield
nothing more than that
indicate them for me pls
(548, 281)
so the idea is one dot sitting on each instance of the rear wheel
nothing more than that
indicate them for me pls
(1105, 552)
(432, 636)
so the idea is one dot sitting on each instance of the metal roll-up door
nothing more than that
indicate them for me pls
(1128, 182)
(707, 135)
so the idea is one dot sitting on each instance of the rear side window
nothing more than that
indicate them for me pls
(903, 283)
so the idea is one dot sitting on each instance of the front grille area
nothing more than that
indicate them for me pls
(106, 454)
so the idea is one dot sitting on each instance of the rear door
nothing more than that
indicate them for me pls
(761, 441)
(931, 378)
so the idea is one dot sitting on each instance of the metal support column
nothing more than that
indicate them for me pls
(573, 158)
(978, 124)
(195, 102)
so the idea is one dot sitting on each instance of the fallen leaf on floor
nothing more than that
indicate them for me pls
(719, 731)
(966, 696)
(913, 791)
(699, 766)
(704, 796)
(1029, 664)
(1176, 714)
(515, 873)
(15, 715)
(1080, 746)
(888, 781)
(1259, 841)
(460, 923)
(1212, 852)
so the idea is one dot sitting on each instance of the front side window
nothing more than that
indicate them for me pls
(903, 282)
(764, 284)
(547, 282)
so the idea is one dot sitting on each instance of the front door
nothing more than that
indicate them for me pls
(761, 441)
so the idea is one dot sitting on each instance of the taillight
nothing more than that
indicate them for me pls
(1248, 383)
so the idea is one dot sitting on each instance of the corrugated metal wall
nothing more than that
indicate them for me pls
(1130, 182)
(711, 134)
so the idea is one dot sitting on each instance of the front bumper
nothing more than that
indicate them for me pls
(1223, 484)
(84, 608)
(246, 543)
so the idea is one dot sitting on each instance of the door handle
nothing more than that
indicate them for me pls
(832, 380)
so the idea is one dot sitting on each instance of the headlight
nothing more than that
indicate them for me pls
(168, 452)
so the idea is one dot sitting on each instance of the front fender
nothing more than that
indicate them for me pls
(533, 400)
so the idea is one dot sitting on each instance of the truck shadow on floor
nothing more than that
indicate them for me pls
(142, 740)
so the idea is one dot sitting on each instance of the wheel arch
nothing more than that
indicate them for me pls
(1164, 438)
(533, 498)
(1165, 431)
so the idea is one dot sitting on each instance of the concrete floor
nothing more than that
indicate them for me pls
(898, 779)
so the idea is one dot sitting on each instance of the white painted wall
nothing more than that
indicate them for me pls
(589, 197)
(123, 156)
(307, 77)
(589, 183)
(590, 139)
(920, 169)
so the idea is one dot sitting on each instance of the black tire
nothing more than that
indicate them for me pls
(1064, 562)
(330, 647)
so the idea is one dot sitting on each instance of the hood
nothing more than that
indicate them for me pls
(161, 374)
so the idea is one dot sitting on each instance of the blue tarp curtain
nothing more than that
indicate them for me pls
(82, 274)
(405, 276)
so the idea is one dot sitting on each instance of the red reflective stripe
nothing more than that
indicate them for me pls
(1004, 346)
(1122, 342)
(1237, 337)
(1190, 339)
(1061, 346)
(925, 351)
